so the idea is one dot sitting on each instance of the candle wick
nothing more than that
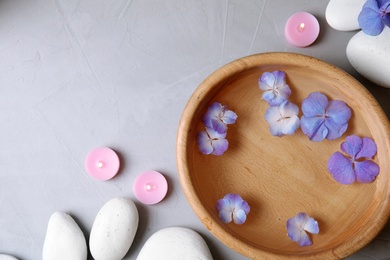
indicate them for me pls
(100, 165)
(149, 187)
(301, 27)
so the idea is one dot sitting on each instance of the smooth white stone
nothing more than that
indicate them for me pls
(114, 229)
(7, 257)
(64, 239)
(342, 15)
(175, 243)
(370, 56)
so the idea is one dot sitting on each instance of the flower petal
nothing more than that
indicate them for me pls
(225, 210)
(352, 145)
(314, 105)
(337, 116)
(314, 128)
(275, 87)
(204, 143)
(233, 206)
(225, 216)
(295, 229)
(233, 199)
(212, 142)
(237, 202)
(322, 119)
(384, 6)
(273, 98)
(288, 109)
(280, 78)
(272, 116)
(290, 126)
(229, 117)
(244, 206)
(290, 121)
(223, 204)
(239, 217)
(386, 18)
(212, 113)
(214, 134)
(268, 95)
(384, 10)
(312, 226)
(338, 111)
(370, 22)
(215, 109)
(267, 81)
(368, 149)
(301, 218)
(366, 171)
(220, 146)
(284, 91)
(372, 4)
(341, 168)
(217, 117)
(304, 239)
(335, 130)
(218, 126)
(283, 119)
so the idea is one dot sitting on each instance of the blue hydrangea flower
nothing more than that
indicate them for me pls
(275, 88)
(218, 117)
(233, 207)
(211, 141)
(283, 119)
(322, 119)
(374, 16)
(356, 165)
(297, 227)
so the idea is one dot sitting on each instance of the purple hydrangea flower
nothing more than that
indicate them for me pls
(322, 119)
(297, 227)
(374, 16)
(233, 207)
(275, 88)
(356, 165)
(218, 117)
(283, 119)
(211, 141)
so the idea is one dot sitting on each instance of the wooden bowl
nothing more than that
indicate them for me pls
(281, 176)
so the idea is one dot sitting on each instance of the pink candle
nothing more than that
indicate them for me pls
(302, 29)
(150, 187)
(102, 163)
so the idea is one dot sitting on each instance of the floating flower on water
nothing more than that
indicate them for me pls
(211, 141)
(283, 119)
(233, 207)
(297, 227)
(356, 166)
(322, 119)
(218, 117)
(275, 88)
(374, 16)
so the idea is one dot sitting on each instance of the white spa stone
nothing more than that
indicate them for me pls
(370, 56)
(64, 239)
(342, 15)
(114, 229)
(7, 257)
(175, 243)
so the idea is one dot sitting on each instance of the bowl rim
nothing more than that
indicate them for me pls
(201, 94)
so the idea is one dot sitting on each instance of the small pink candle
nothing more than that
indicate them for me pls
(150, 187)
(102, 163)
(302, 29)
